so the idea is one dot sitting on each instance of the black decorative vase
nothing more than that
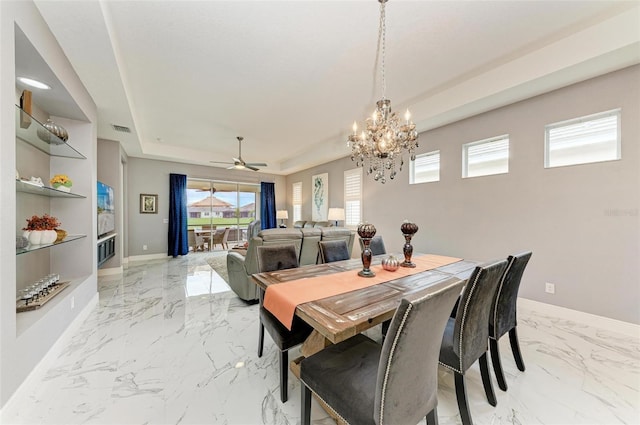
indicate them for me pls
(408, 229)
(366, 231)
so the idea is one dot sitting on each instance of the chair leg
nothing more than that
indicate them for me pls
(260, 339)
(284, 375)
(385, 327)
(486, 379)
(305, 414)
(432, 417)
(497, 365)
(461, 396)
(515, 348)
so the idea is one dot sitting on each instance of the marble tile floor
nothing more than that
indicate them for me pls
(169, 343)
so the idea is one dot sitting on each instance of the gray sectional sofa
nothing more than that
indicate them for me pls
(306, 240)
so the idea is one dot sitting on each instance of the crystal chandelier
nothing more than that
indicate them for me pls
(382, 144)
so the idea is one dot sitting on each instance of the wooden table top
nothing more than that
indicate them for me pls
(342, 316)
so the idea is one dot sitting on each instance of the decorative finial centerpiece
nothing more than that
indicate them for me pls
(408, 229)
(366, 231)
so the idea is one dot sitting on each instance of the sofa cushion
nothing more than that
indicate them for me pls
(322, 224)
(309, 250)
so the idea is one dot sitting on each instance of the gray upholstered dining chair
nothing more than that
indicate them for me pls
(376, 245)
(271, 258)
(503, 315)
(333, 250)
(466, 335)
(393, 383)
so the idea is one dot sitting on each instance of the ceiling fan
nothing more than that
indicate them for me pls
(238, 163)
(207, 189)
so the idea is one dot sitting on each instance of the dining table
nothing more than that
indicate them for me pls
(339, 317)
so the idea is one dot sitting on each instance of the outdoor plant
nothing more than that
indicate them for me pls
(46, 222)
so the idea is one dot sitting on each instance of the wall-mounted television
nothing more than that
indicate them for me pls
(106, 210)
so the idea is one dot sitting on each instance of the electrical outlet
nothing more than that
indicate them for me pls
(165, 220)
(144, 247)
(73, 302)
(550, 288)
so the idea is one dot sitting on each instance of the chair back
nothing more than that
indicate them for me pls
(407, 381)
(276, 257)
(376, 245)
(225, 236)
(253, 229)
(503, 317)
(471, 329)
(334, 250)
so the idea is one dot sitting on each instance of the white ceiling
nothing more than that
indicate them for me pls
(291, 76)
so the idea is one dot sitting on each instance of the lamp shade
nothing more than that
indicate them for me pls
(336, 214)
(282, 215)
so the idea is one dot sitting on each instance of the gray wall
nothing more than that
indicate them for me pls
(581, 222)
(110, 173)
(152, 177)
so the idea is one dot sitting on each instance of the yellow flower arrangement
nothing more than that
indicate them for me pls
(60, 180)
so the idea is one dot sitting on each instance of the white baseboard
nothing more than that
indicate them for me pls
(110, 271)
(613, 325)
(56, 349)
(147, 257)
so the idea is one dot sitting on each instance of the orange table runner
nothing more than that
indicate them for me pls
(282, 299)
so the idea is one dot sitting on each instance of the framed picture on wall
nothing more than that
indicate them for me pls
(148, 204)
(320, 200)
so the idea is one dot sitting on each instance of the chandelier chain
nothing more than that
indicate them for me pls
(382, 42)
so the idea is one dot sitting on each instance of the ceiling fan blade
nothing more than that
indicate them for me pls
(251, 167)
(256, 164)
(221, 162)
(237, 160)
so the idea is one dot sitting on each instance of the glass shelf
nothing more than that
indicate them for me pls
(26, 187)
(30, 248)
(34, 129)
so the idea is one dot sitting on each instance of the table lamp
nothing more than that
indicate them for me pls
(336, 214)
(282, 215)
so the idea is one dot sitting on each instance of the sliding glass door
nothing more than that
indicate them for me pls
(217, 205)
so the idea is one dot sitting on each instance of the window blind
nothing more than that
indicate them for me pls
(486, 157)
(296, 197)
(592, 138)
(353, 197)
(426, 168)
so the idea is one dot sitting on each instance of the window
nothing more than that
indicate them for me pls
(296, 197)
(352, 197)
(593, 138)
(486, 157)
(426, 168)
(218, 204)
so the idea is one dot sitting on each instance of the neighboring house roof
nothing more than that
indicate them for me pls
(248, 207)
(210, 201)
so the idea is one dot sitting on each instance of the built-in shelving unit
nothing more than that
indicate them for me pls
(36, 155)
(27, 187)
(33, 133)
(31, 248)
(42, 139)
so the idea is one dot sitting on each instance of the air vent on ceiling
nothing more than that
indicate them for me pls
(121, 128)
